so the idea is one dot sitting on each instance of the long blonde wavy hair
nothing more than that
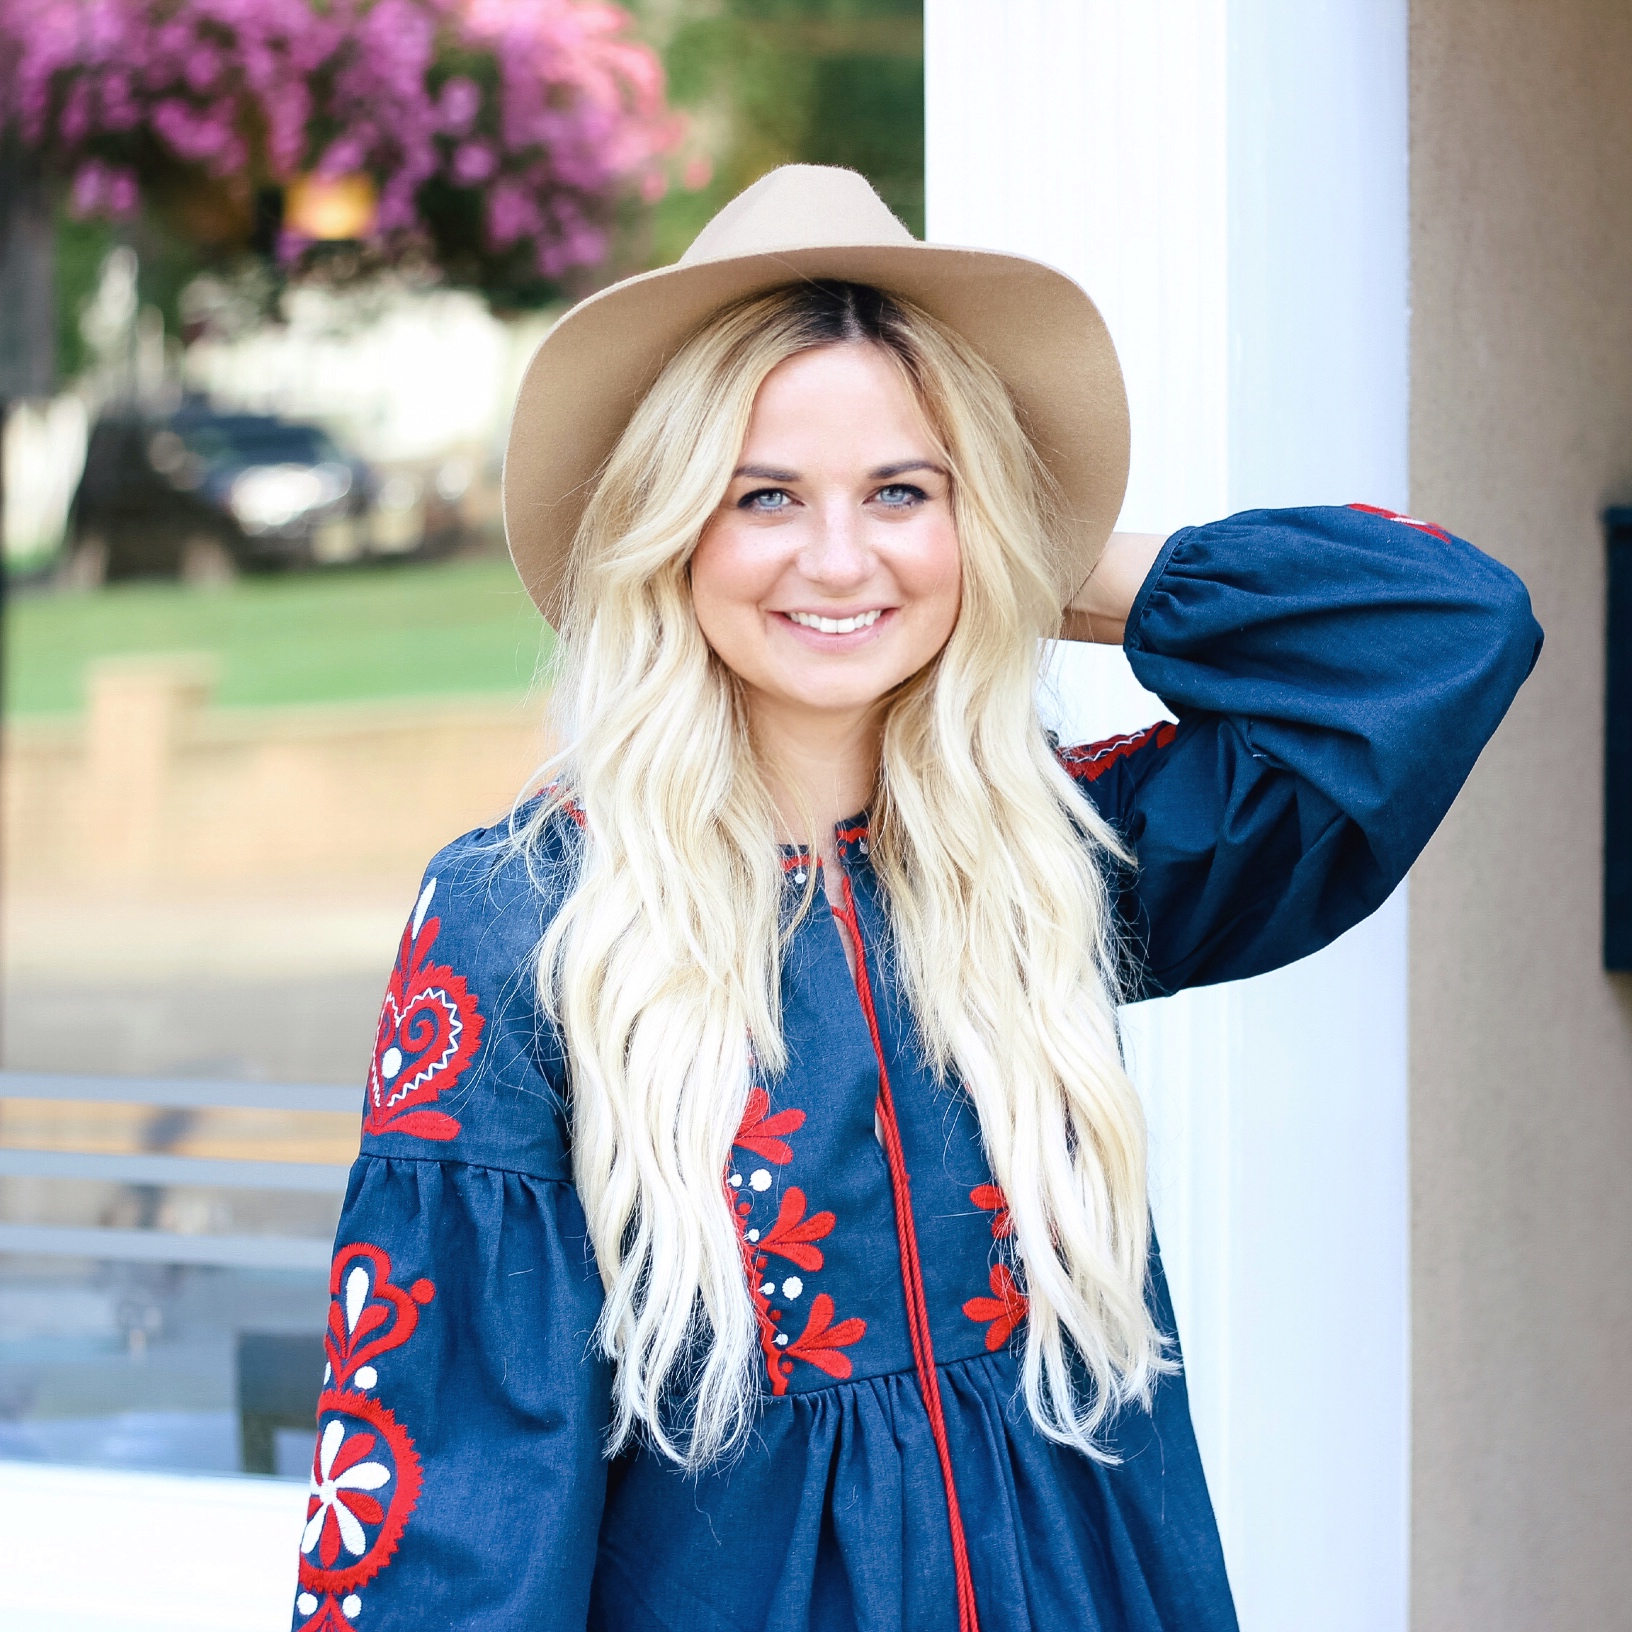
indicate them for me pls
(661, 967)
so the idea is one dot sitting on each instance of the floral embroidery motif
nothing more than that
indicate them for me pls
(1005, 1309)
(428, 1032)
(361, 1300)
(760, 1133)
(329, 1617)
(1088, 761)
(345, 1470)
(992, 1200)
(366, 1474)
(820, 1342)
(793, 1236)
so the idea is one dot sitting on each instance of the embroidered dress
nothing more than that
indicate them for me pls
(1335, 673)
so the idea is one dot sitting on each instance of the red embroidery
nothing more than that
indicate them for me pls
(821, 1340)
(988, 1196)
(428, 1032)
(327, 1619)
(793, 1236)
(361, 1449)
(759, 1132)
(568, 806)
(366, 1475)
(361, 1301)
(1005, 1309)
(1410, 521)
(1088, 761)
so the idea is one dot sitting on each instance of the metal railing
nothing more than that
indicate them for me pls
(141, 1168)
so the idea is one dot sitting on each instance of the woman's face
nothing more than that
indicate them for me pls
(830, 572)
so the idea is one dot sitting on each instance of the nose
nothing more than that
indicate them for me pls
(835, 555)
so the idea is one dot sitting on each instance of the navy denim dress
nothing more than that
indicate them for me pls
(1335, 673)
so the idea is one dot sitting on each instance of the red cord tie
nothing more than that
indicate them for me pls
(912, 1277)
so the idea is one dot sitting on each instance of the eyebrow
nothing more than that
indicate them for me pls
(769, 473)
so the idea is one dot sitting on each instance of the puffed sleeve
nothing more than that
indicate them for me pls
(459, 1476)
(1335, 674)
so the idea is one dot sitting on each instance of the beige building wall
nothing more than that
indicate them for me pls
(1521, 1046)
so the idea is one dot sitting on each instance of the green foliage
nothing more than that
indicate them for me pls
(771, 82)
(411, 630)
(166, 263)
(80, 249)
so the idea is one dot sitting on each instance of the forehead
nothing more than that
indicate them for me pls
(834, 398)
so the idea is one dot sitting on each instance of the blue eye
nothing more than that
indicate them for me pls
(900, 496)
(767, 500)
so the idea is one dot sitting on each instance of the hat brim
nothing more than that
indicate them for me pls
(1036, 327)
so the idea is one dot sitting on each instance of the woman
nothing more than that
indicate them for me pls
(750, 1229)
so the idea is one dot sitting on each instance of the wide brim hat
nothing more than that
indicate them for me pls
(1035, 326)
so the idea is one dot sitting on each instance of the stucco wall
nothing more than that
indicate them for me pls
(1521, 1047)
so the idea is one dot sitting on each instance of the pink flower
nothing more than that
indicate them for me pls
(202, 68)
(511, 214)
(344, 156)
(460, 103)
(473, 162)
(101, 189)
(86, 195)
(123, 197)
(576, 118)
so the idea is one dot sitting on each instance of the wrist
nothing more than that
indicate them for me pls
(1098, 612)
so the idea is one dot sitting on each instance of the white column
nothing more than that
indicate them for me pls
(1227, 178)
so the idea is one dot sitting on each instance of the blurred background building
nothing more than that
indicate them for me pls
(263, 654)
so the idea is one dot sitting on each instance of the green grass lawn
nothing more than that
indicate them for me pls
(410, 630)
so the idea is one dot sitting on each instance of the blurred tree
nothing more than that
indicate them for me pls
(769, 82)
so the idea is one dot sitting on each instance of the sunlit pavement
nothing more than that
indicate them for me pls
(95, 1550)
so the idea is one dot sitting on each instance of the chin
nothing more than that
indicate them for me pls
(828, 697)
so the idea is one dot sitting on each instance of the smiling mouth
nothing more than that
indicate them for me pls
(835, 626)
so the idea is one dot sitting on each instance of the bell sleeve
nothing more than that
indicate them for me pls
(458, 1479)
(1335, 673)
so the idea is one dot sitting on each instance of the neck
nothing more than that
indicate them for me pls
(821, 766)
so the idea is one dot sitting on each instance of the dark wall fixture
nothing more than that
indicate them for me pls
(1618, 747)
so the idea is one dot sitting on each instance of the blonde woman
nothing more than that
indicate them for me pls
(750, 1228)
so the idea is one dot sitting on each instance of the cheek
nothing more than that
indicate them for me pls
(725, 593)
(934, 579)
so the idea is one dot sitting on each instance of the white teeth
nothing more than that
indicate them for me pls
(836, 626)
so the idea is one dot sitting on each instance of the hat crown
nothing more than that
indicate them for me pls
(798, 206)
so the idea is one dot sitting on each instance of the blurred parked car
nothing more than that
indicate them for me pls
(202, 494)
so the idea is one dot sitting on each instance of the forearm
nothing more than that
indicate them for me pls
(1098, 612)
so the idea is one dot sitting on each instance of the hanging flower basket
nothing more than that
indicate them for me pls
(497, 139)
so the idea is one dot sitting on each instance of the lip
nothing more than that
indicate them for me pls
(816, 641)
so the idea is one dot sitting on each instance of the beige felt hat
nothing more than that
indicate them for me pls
(1037, 328)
